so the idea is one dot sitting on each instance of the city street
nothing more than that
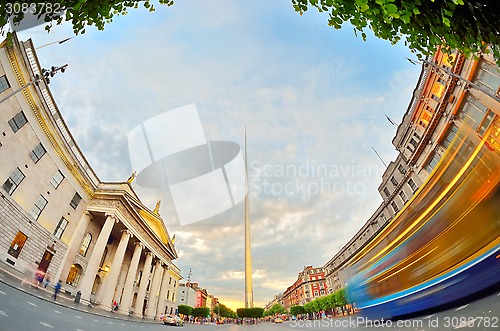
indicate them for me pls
(21, 310)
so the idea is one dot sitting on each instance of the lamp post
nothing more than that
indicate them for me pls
(451, 73)
(45, 76)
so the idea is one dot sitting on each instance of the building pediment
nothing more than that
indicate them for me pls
(120, 197)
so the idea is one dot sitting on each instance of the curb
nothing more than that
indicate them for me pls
(117, 317)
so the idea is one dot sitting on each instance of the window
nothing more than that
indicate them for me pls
(401, 169)
(437, 91)
(75, 201)
(386, 192)
(413, 142)
(394, 181)
(170, 281)
(412, 185)
(473, 111)
(452, 132)
(57, 179)
(168, 294)
(432, 162)
(486, 122)
(489, 77)
(38, 207)
(61, 226)
(18, 121)
(394, 207)
(37, 153)
(17, 244)
(74, 275)
(403, 196)
(85, 244)
(4, 83)
(15, 178)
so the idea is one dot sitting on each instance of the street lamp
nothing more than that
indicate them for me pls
(45, 76)
(451, 73)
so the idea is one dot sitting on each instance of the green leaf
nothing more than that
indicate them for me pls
(391, 8)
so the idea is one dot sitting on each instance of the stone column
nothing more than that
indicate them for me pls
(163, 291)
(73, 247)
(95, 257)
(114, 271)
(153, 291)
(144, 283)
(128, 291)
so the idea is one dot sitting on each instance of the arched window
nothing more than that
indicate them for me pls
(74, 275)
(85, 244)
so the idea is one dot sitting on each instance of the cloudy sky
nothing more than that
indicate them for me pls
(313, 100)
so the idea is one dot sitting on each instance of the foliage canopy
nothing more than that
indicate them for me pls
(275, 309)
(80, 13)
(250, 312)
(185, 310)
(224, 311)
(201, 312)
(423, 25)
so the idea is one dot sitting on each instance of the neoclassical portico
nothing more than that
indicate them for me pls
(129, 256)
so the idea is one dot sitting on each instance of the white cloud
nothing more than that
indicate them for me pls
(307, 94)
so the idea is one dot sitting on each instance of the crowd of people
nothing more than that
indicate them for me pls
(41, 278)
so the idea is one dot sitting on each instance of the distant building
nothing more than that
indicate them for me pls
(441, 101)
(59, 217)
(201, 298)
(187, 294)
(310, 284)
(277, 299)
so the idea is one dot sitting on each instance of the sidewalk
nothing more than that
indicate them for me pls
(14, 278)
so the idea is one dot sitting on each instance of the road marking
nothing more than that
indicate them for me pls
(78, 316)
(57, 311)
(31, 303)
(96, 321)
(2, 313)
(3, 293)
(78, 330)
(466, 324)
(46, 325)
(462, 307)
(111, 323)
(429, 316)
(498, 295)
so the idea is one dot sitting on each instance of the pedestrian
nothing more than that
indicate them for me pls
(47, 280)
(39, 275)
(57, 288)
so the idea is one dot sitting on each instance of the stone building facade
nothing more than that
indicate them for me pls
(310, 284)
(57, 216)
(452, 90)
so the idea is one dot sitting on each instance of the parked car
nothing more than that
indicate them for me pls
(278, 320)
(171, 320)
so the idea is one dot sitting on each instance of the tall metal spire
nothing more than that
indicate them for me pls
(248, 253)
